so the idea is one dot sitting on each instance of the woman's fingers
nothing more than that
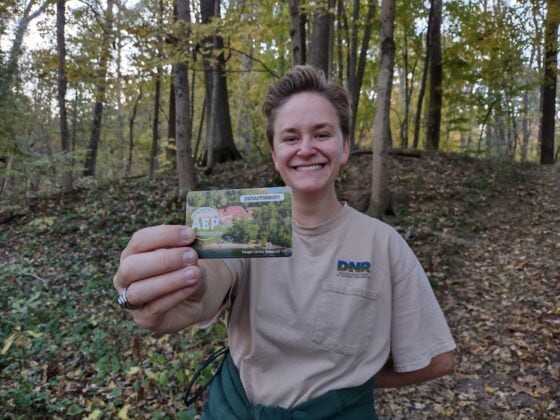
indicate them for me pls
(145, 265)
(156, 237)
(166, 314)
(145, 291)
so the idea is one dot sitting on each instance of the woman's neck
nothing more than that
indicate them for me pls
(309, 210)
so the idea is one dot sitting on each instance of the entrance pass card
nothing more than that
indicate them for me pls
(245, 223)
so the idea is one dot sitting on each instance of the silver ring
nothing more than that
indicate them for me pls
(124, 303)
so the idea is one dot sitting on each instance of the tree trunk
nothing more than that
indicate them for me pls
(62, 84)
(408, 89)
(548, 89)
(10, 69)
(171, 148)
(297, 32)
(183, 125)
(119, 88)
(220, 146)
(357, 63)
(436, 78)
(422, 91)
(243, 134)
(100, 86)
(131, 132)
(157, 88)
(380, 201)
(7, 173)
(155, 124)
(321, 36)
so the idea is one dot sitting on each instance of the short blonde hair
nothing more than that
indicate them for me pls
(306, 79)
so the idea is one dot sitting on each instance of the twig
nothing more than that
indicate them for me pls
(256, 60)
(42, 280)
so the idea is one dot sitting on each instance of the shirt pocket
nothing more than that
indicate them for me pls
(344, 319)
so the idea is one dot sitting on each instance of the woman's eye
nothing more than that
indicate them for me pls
(323, 135)
(290, 139)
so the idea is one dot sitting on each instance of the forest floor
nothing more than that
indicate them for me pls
(487, 233)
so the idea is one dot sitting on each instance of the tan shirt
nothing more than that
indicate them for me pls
(328, 316)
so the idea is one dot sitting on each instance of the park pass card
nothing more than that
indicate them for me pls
(245, 223)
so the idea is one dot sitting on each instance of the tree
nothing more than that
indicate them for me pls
(220, 146)
(62, 84)
(436, 77)
(321, 55)
(183, 123)
(380, 200)
(423, 82)
(548, 89)
(157, 88)
(10, 69)
(298, 20)
(100, 88)
(356, 63)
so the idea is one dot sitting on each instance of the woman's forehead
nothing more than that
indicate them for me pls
(305, 108)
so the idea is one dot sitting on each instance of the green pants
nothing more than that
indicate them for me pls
(227, 400)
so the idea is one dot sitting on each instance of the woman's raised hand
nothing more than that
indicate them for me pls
(161, 275)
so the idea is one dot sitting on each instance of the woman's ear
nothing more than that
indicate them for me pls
(273, 155)
(345, 151)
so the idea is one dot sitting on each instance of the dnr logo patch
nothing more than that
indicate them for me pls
(353, 268)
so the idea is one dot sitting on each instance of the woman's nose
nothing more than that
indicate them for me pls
(306, 146)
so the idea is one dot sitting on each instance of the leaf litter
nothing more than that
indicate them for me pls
(487, 233)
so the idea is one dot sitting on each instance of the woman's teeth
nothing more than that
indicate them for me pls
(309, 167)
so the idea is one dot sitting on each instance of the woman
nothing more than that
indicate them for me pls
(311, 333)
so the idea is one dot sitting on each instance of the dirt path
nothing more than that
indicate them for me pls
(502, 306)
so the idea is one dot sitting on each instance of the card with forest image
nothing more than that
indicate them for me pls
(241, 223)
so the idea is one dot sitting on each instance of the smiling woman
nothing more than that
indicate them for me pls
(309, 334)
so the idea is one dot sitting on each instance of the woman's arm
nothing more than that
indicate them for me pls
(440, 365)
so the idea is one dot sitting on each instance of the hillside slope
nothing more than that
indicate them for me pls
(486, 232)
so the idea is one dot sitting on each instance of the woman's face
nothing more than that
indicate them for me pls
(308, 145)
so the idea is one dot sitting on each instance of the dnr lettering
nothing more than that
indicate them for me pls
(354, 267)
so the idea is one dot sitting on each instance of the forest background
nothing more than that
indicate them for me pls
(97, 95)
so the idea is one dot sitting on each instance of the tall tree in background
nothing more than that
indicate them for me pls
(298, 20)
(380, 200)
(171, 148)
(100, 88)
(9, 71)
(356, 63)
(548, 89)
(183, 123)
(62, 84)
(423, 82)
(244, 133)
(220, 146)
(322, 35)
(436, 77)
(157, 88)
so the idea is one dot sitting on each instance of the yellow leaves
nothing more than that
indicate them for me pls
(152, 375)
(489, 389)
(8, 343)
(94, 415)
(42, 224)
(133, 371)
(123, 412)
(18, 338)
(530, 385)
(444, 411)
(34, 334)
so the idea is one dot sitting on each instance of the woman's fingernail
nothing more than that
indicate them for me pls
(189, 257)
(187, 235)
(190, 273)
